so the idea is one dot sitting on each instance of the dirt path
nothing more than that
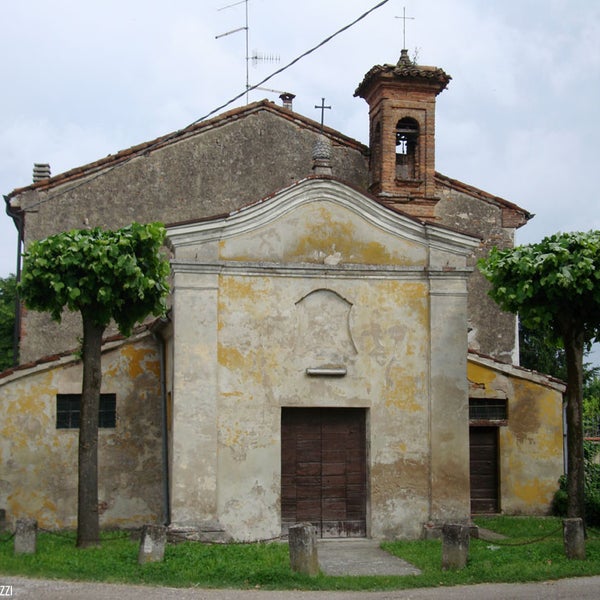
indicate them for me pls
(584, 588)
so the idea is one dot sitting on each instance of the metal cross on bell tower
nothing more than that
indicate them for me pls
(404, 19)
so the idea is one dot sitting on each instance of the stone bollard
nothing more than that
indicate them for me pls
(574, 538)
(26, 536)
(303, 549)
(152, 544)
(455, 546)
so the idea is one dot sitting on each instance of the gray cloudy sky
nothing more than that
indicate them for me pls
(85, 79)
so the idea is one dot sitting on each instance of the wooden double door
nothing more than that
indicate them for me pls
(323, 470)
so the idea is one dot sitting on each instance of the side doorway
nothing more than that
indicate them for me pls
(484, 469)
(323, 470)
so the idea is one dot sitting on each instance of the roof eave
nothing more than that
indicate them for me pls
(480, 194)
(174, 137)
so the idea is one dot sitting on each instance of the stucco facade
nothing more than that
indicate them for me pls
(318, 298)
(531, 439)
(38, 475)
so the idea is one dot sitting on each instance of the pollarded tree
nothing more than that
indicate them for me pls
(105, 275)
(555, 285)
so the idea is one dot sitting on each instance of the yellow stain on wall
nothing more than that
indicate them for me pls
(138, 361)
(242, 295)
(49, 505)
(402, 391)
(534, 492)
(40, 471)
(406, 341)
(410, 297)
(241, 288)
(325, 233)
(229, 436)
(231, 358)
(25, 501)
(531, 442)
(318, 231)
(32, 398)
(479, 374)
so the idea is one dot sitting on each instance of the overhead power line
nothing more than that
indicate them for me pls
(161, 141)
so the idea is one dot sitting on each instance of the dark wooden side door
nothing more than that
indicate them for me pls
(323, 470)
(483, 443)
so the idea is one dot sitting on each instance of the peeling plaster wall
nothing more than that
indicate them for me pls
(263, 353)
(531, 444)
(318, 285)
(38, 476)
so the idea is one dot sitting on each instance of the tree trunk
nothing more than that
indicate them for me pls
(573, 338)
(88, 524)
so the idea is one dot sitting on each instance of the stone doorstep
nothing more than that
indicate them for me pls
(352, 556)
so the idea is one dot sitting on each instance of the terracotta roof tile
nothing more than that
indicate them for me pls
(522, 372)
(459, 186)
(73, 352)
(176, 136)
(407, 70)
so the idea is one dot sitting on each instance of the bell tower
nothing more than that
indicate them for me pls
(401, 102)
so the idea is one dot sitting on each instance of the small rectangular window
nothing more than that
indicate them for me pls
(68, 408)
(486, 409)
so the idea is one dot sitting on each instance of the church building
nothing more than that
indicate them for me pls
(330, 354)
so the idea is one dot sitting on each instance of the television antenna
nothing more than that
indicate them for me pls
(256, 56)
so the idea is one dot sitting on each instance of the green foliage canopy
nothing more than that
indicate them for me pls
(538, 351)
(591, 411)
(554, 284)
(8, 292)
(105, 275)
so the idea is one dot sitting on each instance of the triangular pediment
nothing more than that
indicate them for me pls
(321, 221)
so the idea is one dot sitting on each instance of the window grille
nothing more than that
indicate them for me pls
(484, 409)
(68, 410)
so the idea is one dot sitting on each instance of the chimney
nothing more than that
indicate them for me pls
(41, 171)
(286, 99)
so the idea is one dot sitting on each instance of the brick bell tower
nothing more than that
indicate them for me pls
(401, 102)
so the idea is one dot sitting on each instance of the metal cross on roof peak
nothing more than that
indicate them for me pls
(322, 107)
(404, 19)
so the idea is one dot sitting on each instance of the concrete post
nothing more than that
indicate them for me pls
(152, 544)
(574, 538)
(455, 546)
(303, 549)
(26, 536)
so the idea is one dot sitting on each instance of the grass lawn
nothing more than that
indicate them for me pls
(514, 559)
